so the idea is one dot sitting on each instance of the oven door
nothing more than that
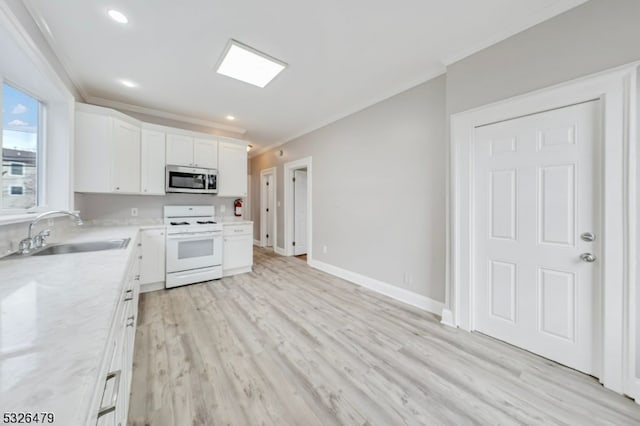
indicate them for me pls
(193, 250)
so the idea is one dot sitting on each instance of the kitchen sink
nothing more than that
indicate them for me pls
(83, 247)
(76, 248)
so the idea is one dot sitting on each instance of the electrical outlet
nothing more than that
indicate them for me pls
(134, 211)
(324, 249)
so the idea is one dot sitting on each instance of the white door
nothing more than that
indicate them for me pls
(300, 212)
(536, 194)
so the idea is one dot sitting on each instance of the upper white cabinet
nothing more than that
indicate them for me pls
(232, 169)
(107, 154)
(192, 152)
(125, 157)
(115, 153)
(152, 162)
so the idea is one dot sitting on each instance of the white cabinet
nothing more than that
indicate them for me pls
(192, 152)
(110, 401)
(238, 248)
(125, 157)
(232, 170)
(179, 150)
(152, 257)
(107, 154)
(152, 162)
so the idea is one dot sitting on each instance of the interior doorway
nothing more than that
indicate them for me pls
(297, 214)
(268, 224)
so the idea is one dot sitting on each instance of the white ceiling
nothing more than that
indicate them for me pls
(343, 55)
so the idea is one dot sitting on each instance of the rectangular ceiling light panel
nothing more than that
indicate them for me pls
(246, 64)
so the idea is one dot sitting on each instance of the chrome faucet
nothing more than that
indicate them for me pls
(34, 242)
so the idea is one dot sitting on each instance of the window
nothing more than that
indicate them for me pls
(20, 149)
(16, 169)
(16, 190)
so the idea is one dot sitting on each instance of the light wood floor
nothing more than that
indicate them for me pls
(289, 345)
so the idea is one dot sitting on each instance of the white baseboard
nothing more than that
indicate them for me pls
(447, 317)
(257, 243)
(146, 288)
(389, 290)
(280, 251)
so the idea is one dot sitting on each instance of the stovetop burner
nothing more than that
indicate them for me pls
(179, 223)
(205, 222)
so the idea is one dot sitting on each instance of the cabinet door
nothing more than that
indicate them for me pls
(232, 170)
(152, 162)
(126, 157)
(152, 267)
(179, 150)
(205, 153)
(92, 152)
(238, 252)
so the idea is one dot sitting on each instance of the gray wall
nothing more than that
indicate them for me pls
(595, 36)
(378, 189)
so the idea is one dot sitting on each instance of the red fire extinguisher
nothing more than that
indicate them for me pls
(237, 207)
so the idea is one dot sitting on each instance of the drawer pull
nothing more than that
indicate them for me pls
(114, 398)
(237, 230)
(129, 295)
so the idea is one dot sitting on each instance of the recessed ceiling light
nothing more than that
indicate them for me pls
(118, 16)
(128, 83)
(230, 117)
(247, 64)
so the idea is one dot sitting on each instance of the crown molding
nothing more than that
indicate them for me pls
(164, 114)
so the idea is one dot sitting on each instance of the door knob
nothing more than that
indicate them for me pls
(587, 257)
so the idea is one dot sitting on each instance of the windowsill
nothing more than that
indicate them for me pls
(10, 219)
(17, 218)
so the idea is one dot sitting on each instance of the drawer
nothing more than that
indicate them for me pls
(238, 229)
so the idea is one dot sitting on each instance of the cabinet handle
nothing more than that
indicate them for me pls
(130, 295)
(145, 190)
(114, 398)
(137, 278)
(139, 257)
(237, 230)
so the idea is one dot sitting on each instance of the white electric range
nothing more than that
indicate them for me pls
(194, 245)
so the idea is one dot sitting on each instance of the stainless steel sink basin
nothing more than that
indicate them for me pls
(76, 248)
(83, 247)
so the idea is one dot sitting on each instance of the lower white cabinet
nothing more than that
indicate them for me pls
(110, 403)
(237, 249)
(152, 258)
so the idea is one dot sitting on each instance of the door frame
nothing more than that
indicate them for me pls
(617, 92)
(272, 171)
(289, 213)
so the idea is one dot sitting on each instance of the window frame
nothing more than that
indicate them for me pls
(40, 160)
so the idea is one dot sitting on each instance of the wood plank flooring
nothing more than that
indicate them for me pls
(290, 345)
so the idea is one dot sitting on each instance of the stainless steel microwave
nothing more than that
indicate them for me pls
(191, 180)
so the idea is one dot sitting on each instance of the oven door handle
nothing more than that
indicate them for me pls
(192, 235)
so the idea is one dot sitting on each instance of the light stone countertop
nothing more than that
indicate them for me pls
(232, 220)
(56, 313)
